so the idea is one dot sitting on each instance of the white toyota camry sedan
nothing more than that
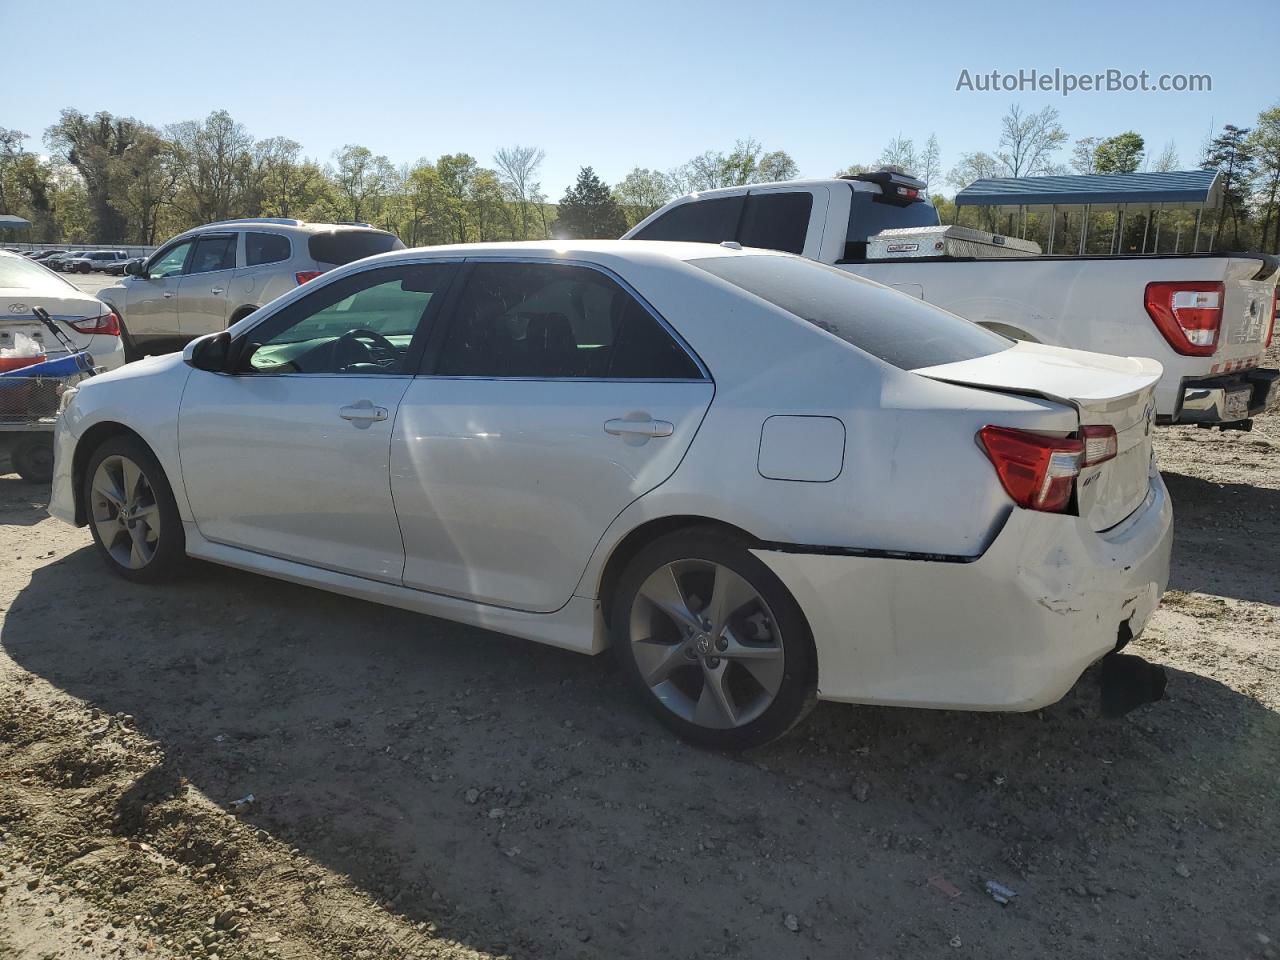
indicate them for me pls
(761, 480)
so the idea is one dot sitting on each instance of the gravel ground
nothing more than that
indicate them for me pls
(422, 789)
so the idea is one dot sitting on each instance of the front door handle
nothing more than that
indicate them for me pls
(638, 428)
(362, 413)
(216, 290)
(168, 294)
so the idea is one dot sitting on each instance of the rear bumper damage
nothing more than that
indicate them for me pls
(1012, 629)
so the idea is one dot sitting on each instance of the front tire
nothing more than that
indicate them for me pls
(713, 642)
(132, 513)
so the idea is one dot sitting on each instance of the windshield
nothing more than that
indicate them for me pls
(897, 328)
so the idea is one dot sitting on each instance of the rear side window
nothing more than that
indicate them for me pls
(698, 221)
(869, 213)
(213, 253)
(776, 221)
(344, 246)
(897, 328)
(556, 321)
(262, 248)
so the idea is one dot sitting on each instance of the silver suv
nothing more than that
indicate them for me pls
(206, 279)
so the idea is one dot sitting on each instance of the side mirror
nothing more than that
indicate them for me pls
(134, 268)
(210, 353)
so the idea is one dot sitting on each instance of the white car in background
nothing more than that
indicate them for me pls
(761, 479)
(88, 322)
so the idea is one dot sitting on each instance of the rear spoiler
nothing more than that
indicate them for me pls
(897, 188)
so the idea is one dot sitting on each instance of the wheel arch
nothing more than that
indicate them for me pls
(93, 438)
(646, 533)
(240, 312)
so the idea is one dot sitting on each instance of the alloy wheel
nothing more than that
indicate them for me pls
(706, 644)
(124, 512)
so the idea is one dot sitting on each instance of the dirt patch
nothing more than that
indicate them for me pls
(422, 789)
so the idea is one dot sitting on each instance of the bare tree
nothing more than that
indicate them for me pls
(1167, 159)
(930, 164)
(1084, 156)
(518, 171)
(1030, 141)
(900, 155)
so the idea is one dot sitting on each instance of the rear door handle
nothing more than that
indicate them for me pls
(216, 290)
(638, 428)
(168, 294)
(362, 413)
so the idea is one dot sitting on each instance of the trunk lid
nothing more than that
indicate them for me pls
(1106, 391)
(16, 317)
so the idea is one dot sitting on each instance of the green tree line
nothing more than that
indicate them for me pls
(109, 179)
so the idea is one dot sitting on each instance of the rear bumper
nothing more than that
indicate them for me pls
(1010, 630)
(1205, 401)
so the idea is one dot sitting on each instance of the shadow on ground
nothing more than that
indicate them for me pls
(1226, 538)
(21, 503)
(524, 784)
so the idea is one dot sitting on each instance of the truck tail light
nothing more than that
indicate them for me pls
(305, 275)
(1275, 316)
(107, 325)
(1188, 313)
(1100, 445)
(1038, 472)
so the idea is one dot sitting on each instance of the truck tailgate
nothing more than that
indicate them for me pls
(1250, 286)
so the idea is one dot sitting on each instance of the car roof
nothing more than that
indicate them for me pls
(582, 249)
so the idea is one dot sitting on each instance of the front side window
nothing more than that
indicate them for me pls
(897, 328)
(214, 253)
(262, 248)
(170, 262)
(362, 324)
(697, 221)
(556, 321)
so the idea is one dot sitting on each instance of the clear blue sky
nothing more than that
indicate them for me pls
(616, 85)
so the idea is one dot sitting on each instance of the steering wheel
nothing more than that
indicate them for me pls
(352, 342)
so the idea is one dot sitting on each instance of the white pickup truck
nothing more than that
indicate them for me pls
(1208, 318)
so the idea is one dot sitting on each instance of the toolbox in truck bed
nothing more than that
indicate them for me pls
(913, 243)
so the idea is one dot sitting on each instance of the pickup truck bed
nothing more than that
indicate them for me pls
(1207, 318)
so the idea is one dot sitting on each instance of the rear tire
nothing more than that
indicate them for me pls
(132, 513)
(713, 642)
(32, 458)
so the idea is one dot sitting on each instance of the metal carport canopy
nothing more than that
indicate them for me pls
(1177, 188)
(9, 222)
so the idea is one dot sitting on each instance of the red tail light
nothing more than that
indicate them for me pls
(1037, 472)
(306, 275)
(1100, 445)
(1275, 316)
(107, 325)
(1188, 313)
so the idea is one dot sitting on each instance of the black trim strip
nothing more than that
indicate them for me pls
(862, 552)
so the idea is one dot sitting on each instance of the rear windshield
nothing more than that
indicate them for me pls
(869, 213)
(343, 246)
(21, 272)
(897, 328)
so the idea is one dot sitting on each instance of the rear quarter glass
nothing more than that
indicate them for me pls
(897, 328)
(343, 246)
